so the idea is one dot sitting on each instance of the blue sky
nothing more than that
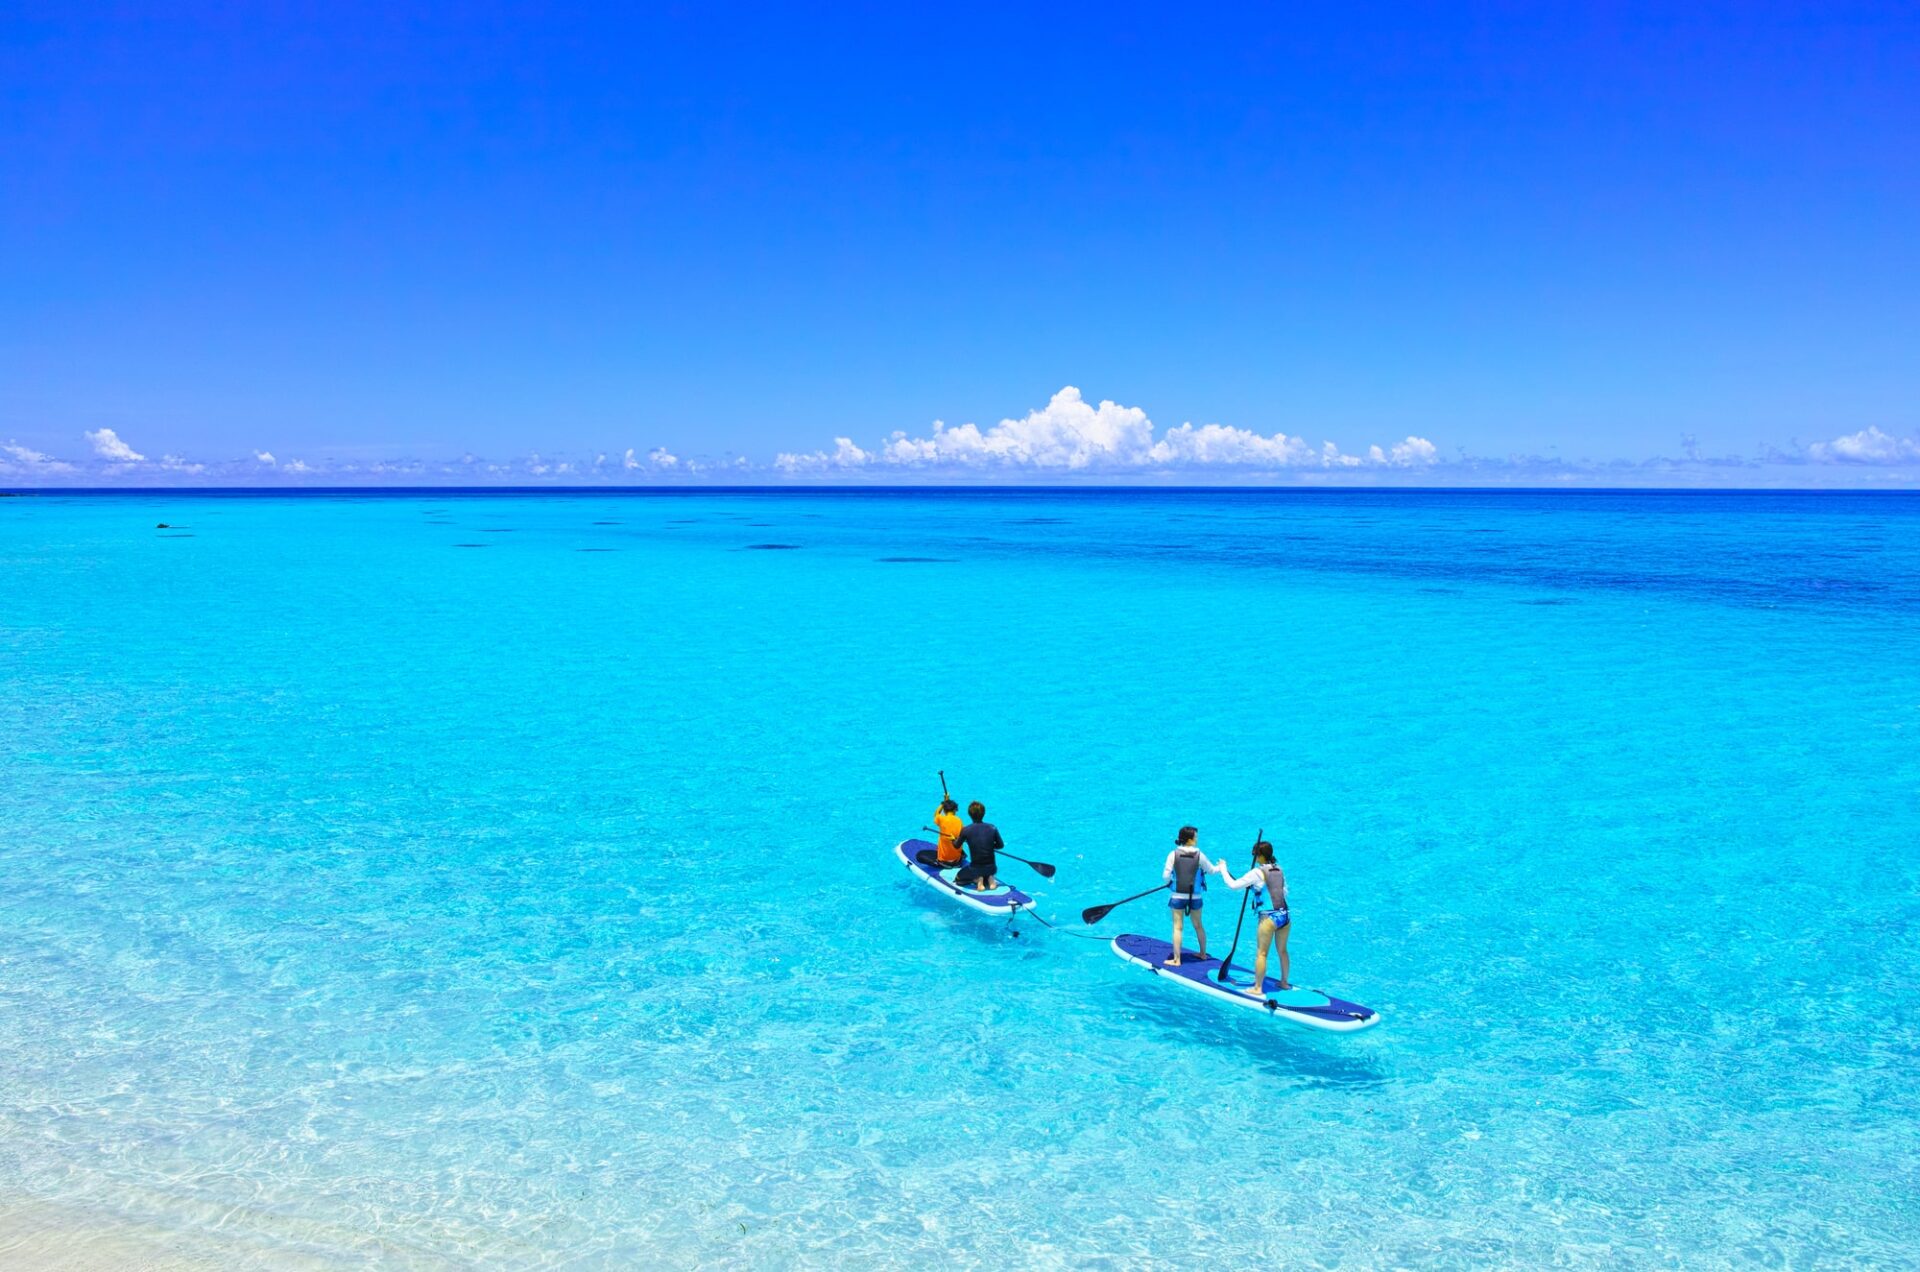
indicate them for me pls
(1623, 243)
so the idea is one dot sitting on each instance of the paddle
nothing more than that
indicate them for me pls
(1245, 893)
(1040, 868)
(1093, 914)
(1044, 870)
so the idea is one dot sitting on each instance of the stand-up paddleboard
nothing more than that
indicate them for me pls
(917, 856)
(1302, 1006)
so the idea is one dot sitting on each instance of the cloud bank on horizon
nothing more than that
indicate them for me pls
(1069, 436)
(1068, 439)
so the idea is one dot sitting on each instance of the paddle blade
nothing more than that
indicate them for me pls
(1095, 914)
(1042, 869)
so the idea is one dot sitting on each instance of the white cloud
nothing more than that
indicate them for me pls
(107, 445)
(1415, 452)
(1070, 435)
(1868, 446)
(297, 466)
(176, 463)
(845, 455)
(264, 457)
(1065, 434)
(26, 459)
(1218, 444)
(659, 459)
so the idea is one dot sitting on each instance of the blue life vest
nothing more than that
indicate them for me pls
(1263, 898)
(1187, 878)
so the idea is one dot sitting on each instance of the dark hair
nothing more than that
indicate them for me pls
(1186, 836)
(976, 810)
(948, 806)
(1263, 851)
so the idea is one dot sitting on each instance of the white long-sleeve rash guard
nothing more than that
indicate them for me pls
(1257, 875)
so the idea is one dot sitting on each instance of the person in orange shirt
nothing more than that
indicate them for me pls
(946, 819)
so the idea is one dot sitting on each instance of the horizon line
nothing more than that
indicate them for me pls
(952, 488)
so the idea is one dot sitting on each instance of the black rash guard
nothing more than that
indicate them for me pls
(982, 842)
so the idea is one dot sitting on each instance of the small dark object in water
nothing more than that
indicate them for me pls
(163, 526)
(469, 545)
(772, 547)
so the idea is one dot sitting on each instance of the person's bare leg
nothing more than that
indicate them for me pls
(1259, 987)
(1200, 931)
(1280, 939)
(1179, 932)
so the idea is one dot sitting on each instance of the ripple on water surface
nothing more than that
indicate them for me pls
(526, 912)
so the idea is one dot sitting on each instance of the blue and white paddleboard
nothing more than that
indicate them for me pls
(917, 856)
(1302, 1006)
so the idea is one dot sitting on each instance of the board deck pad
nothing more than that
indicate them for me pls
(1311, 1006)
(918, 855)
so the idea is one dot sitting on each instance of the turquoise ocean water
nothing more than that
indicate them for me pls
(505, 880)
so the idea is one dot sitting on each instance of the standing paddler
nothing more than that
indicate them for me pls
(1186, 874)
(1269, 884)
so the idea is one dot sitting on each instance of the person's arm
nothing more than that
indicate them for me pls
(998, 842)
(1226, 876)
(1167, 873)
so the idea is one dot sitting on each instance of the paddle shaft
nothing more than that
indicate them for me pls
(1093, 914)
(1044, 869)
(1245, 894)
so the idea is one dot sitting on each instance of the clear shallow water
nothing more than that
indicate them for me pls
(531, 904)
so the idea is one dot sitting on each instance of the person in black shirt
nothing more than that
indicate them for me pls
(982, 842)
